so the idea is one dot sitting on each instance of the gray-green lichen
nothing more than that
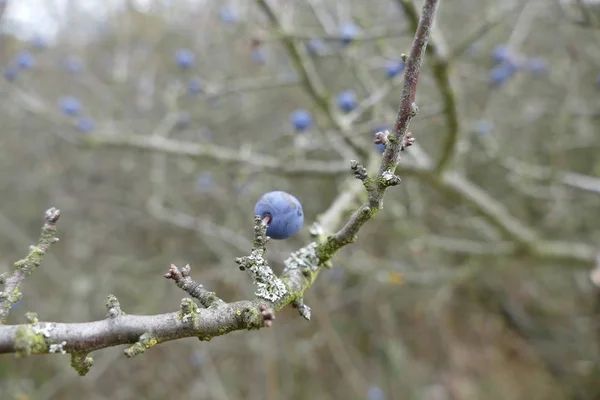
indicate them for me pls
(147, 340)
(268, 286)
(30, 339)
(189, 312)
(58, 348)
(304, 258)
(81, 363)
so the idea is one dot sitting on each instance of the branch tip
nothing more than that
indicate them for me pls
(267, 314)
(360, 172)
(52, 215)
(302, 308)
(184, 281)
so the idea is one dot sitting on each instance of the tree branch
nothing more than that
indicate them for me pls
(440, 63)
(208, 151)
(385, 177)
(24, 268)
(218, 318)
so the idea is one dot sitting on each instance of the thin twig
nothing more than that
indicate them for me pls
(25, 267)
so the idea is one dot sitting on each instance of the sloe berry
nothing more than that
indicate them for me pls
(285, 212)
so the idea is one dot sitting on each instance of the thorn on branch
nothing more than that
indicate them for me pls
(82, 363)
(267, 315)
(303, 309)
(196, 290)
(113, 306)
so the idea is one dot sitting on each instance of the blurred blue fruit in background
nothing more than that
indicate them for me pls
(346, 100)
(301, 120)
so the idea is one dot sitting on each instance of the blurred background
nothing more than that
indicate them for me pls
(148, 123)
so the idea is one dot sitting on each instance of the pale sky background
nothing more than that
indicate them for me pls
(26, 18)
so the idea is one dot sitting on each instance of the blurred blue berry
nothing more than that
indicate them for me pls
(194, 86)
(204, 182)
(25, 60)
(258, 55)
(290, 75)
(285, 211)
(348, 32)
(74, 64)
(346, 100)
(11, 73)
(228, 15)
(484, 127)
(70, 105)
(85, 125)
(185, 58)
(394, 68)
(380, 148)
(38, 42)
(301, 120)
(501, 73)
(536, 65)
(501, 53)
(375, 393)
(315, 46)
(183, 120)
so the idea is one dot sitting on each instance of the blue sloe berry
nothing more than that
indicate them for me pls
(185, 58)
(258, 55)
(536, 65)
(346, 100)
(25, 60)
(183, 120)
(394, 68)
(194, 86)
(484, 127)
(315, 46)
(228, 15)
(348, 32)
(39, 42)
(74, 64)
(501, 73)
(11, 73)
(85, 125)
(285, 212)
(301, 120)
(70, 105)
(375, 393)
(501, 53)
(205, 182)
